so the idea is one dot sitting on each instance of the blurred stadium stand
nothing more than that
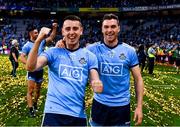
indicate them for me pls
(143, 21)
(85, 3)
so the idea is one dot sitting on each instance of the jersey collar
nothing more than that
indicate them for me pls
(110, 46)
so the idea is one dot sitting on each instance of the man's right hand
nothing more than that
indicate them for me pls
(97, 86)
(60, 43)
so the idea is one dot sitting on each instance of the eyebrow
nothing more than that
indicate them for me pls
(113, 25)
(71, 27)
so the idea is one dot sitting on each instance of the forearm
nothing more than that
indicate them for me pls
(139, 85)
(52, 35)
(139, 88)
(23, 59)
(94, 75)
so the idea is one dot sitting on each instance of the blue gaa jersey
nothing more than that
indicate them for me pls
(114, 70)
(28, 46)
(68, 75)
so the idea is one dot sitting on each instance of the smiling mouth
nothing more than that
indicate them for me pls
(72, 39)
(110, 35)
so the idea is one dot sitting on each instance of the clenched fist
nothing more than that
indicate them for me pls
(97, 86)
(44, 31)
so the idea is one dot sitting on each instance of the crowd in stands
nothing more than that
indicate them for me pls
(152, 30)
(163, 32)
(133, 31)
(86, 3)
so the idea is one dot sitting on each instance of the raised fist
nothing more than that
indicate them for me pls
(44, 31)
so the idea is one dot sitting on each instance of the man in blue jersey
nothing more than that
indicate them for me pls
(35, 78)
(69, 70)
(115, 60)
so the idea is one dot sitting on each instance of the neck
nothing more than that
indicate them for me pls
(111, 43)
(72, 46)
(33, 40)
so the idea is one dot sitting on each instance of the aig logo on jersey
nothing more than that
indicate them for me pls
(69, 72)
(111, 69)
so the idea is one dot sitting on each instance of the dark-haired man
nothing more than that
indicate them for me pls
(35, 78)
(69, 70)
(115, 60)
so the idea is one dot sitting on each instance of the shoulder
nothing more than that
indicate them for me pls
(54, 49)
(87, 52)
(128, 47)
(95, 44)
(52, 52)
(28, 44)
(84, 50)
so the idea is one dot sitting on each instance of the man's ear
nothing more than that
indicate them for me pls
(81, 31)
(62, 31)
(119, 29)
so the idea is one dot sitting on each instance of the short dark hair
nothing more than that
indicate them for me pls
(111, 16)
(73, 18)
(31, 28)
